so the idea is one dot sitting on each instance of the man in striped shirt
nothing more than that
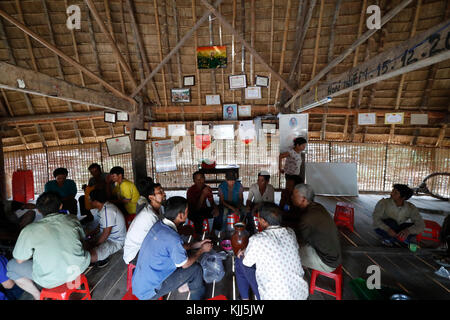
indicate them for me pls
(111, 231)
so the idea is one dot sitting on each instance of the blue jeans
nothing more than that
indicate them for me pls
(246, 279)
(193, 276)
(397, 228)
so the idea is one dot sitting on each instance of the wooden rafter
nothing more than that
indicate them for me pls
(198, 80)
(60, 69)
(387, 17)
(65, 57)
(141, 47)
(403, 76)
(174, 50)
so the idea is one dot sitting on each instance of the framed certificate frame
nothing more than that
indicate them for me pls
(188, 81)
(110, 117)
(261, 81)
(253, 93)
(238, 81)
(118, 145)
(121, 116)
(140, 135)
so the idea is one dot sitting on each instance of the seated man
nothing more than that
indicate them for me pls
(163, 264)
(316, 232)
(201, 202)
(259, 192)
(99, 180)
(14, 216)
(48, 252)
(65, 188)
(142, 185)
(231, 200)
(145, 219)
(390, 216)
(111, 230)
(275, 254)
(125, 192)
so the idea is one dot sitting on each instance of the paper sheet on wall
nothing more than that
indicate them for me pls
(336, 179)
(247, 131)
(158, 132)
(164, 154)
(292, 126)
(223, 132)
(176, 130)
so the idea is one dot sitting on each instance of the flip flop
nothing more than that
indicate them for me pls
(443, 262)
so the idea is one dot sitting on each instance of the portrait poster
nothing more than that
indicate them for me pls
(118, 145)
(212, 57)
(292, 126)
(230, 112)
(164, 153)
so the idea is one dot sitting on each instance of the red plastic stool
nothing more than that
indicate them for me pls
(128, 219)
(336, 275)
(130, 268)
(129, 296)
(64, 291)
(431, 228)
(219, 297)
(344, 215)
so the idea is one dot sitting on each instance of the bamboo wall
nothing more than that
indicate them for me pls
(379, 166)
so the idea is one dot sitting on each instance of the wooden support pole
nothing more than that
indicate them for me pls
(64, 56)
(341, 57)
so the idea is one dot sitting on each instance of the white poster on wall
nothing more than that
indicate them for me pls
(176, 130)
(247, 132)
(223, 132)
(292, 126)
(367, 118)
(164, 154)
(335, 179)
(158, 132)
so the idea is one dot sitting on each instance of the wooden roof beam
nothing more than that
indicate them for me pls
(410, 55)
(387, 17)
(68, 59)
(41, 84)
(228, 26)
(174, 50)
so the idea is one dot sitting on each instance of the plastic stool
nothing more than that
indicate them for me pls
(219, 297)
(344, 215)
(64, 291)
(130, 268)
(129, 296)
(336, 275)
(431, 228)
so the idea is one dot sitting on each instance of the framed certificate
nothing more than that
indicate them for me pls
(261, 81)
(394, 118)
(245, 111)
(213, 99)
(140, 135)
(158, 132)
(122, 116)
(110, 117)
(202, 129)
(177, 130)
(118, 145)
(253, 93)
(419, 118)
(188, 81)
(367, 118)
(238, 81)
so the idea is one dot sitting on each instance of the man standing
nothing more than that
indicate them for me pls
(163, 264)
(144, 220)
(317, 234)
(125, 191)
(198, 197)
(48, 252)
(390, 216)
(271, 263)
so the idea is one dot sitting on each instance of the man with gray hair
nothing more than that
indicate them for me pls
(271, 264)
(316, 232)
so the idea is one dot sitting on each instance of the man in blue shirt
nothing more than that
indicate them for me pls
(163, 263)
(65, 188)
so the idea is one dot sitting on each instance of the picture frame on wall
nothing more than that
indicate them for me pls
(122, 116)
(394, 118)
(110, 117)
(253, 93)
(118, 145)
(237, 81)
(212, 57)
(230, 111)
(140, 135)
(261, 81)
(181, 95)
(212, 99)
(188, 81)
(245, 111)
(158, 132)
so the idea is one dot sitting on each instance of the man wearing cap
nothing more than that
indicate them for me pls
(259, 192)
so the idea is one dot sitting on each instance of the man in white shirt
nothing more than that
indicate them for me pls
(259, 192)
(111, 228)
(271, 263)
(144, 220)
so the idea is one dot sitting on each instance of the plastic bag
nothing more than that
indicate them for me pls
(443, 273)
(212, 266)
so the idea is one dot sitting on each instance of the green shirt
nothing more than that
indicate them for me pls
(54, 244)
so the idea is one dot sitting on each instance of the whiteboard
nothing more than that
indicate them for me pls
(336, 179)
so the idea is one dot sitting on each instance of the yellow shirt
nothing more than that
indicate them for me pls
(128, 191)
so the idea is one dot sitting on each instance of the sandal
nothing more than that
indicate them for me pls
(445, 262)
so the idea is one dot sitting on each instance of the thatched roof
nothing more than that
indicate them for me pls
(268, 26)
